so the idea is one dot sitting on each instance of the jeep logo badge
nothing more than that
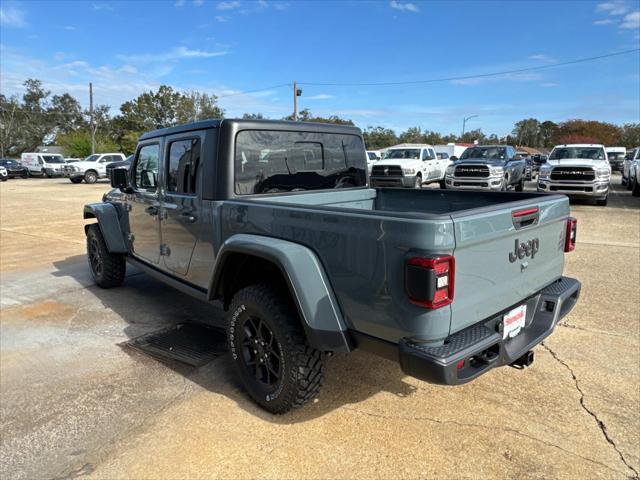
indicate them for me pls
(524, 249)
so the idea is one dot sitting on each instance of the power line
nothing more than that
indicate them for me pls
(470, 77)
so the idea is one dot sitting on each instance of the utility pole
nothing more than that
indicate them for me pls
(464, 122)
(296, 93)
(93, 130)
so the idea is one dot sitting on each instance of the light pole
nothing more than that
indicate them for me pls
(464, 122)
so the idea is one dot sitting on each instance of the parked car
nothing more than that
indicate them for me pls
(306, 259)
(616, 156)
(91, 168)
(43, 164)
(538, 161)
(4, 176)
(577, 170)
(626, 166)
(14, 168)
(409, 165)
(487, 167)
(126, 164)
(634, 177)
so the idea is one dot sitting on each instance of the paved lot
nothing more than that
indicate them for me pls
(73, 403)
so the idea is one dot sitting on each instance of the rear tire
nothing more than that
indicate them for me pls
(108, 269)
(75, 179)
(276, 365)
(90, 177)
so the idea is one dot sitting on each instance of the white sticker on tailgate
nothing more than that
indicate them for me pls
(514, 321)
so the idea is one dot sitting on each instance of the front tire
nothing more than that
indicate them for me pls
(602, 202)
(75, 179)
(520, 186)
(418, 182)
(108, 269)
(276, 365)
(443, 184)
(90, 177)
(635, 186)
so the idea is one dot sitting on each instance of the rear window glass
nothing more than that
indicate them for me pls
(272, 162)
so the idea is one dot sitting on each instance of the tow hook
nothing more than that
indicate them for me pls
(524, 361)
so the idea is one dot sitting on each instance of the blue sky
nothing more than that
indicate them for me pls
(226, 47)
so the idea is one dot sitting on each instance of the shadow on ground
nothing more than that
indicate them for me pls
(147, 305)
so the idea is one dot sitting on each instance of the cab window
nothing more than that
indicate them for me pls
(184, 158)
(146, 177)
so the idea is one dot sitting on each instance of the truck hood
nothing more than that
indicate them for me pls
(481, 161)
(577, 162)
(403, 162)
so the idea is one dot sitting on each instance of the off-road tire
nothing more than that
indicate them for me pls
(418, 182)
(113, 266)
(602, 202)
(76, 179)
(520, 185)
(302, 367)
(90, 177)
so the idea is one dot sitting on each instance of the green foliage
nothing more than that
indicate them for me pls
(379, 137)
(77, 144)
(306, 116)
(253, 116)
(598, 132)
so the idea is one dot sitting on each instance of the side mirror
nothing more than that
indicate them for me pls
(453, 158)
(120, 179)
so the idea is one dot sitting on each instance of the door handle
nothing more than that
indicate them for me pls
(153, 211)
(188, 217)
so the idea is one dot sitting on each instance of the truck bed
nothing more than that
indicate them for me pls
(363, 238)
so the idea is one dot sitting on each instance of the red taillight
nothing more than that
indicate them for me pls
(430, 281)
(570, 236)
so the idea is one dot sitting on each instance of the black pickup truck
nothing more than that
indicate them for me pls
(276, 220)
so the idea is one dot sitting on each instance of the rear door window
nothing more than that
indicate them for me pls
(273, 161)
(183, 161)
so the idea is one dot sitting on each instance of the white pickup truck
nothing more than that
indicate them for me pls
(409, 165)
(91, 168)
(577, 170)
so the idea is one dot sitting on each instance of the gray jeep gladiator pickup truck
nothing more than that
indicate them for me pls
(276, 220)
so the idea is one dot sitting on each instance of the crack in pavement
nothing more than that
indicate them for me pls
(600, 332)
(510, 430)
(600, 423)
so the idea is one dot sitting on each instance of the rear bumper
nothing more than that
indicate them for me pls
(597, 189)
(480, 346)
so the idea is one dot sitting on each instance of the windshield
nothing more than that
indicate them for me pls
(442, 156)
(588, 153)
(92, 158)
(616, 155)
(372, 156)
(406, 153)
(493, 153)
(8, 163)
(53, 158)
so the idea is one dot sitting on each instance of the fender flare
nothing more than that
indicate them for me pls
(308, 284)
(109, 223)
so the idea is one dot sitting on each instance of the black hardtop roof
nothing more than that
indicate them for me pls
(254, 124)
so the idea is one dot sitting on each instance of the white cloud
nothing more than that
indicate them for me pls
(102, 6)
(320, 96)
(404, 6)
(198, 3)
(179, 3)
(222, 18)
(228, 5)
(549, 84)
(542, 58)
(12, 17)
(615, 7)
(69, 28)
(604, 21)
(631, 21)
(177, 53)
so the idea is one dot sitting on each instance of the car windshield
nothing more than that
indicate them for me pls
(588, 153)
(92, 158)
(405, 153)
(53, 158)
(494, 153)
(616, 155)
(8, 163)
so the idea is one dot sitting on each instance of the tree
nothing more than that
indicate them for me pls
(597, 132)
(195, 106)
(527, 131)
(630, 135)
(548, 130)
(379, 137)
(305, 115)
(77, 144)
(411, 135)
(253, 116)
(473, 136)
(66, 114)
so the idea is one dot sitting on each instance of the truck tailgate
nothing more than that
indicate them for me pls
(488, 279)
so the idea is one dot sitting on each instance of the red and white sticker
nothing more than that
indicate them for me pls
(514, 321)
